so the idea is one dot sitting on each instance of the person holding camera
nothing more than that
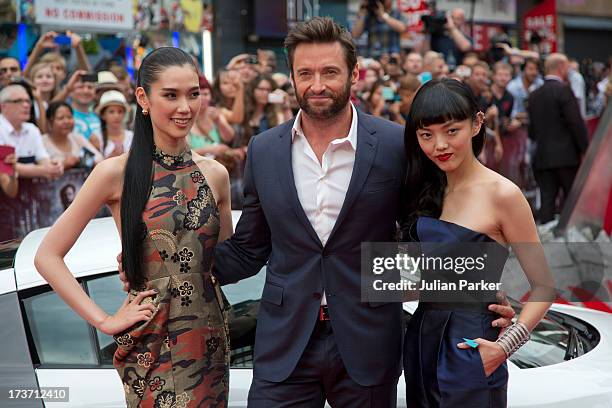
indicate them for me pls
(52, 41)
(383, 26)
(451, 40)
(82, 90)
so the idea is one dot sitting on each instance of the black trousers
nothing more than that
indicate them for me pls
(550, 182)
(320, 375)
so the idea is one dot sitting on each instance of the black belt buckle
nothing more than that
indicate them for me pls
(323, 313)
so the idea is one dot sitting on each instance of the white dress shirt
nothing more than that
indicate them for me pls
(322, 187)
(27, 142)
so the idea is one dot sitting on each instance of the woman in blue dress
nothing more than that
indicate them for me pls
(453, 356)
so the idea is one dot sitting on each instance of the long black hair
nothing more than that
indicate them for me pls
(138, 169)
(436, 102)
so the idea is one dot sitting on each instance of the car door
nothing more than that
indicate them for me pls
(67, 351)
(16, 370)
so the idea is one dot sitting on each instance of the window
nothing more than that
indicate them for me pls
(557, 338)
(107, 292)
(546, 347)
(59, 334)
(244, 298)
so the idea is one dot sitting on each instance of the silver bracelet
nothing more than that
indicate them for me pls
(514, 338)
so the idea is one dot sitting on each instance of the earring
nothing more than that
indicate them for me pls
(145, 112)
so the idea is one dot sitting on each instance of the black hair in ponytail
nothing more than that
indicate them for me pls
(138, 169)
(436, 102)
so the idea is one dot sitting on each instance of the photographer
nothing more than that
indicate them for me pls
(52, 41)
(449, 38)
(383, 26)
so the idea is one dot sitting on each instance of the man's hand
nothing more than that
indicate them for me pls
(450, 23)
(126, 284)
(75, 39)
(46, 41)
(75, 80)
(492, 113)
(514, 125)
(237, 61)
(380, 10)
(503, 309)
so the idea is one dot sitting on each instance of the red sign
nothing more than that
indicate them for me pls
(541, 22)
(412, 11)
(482, 34)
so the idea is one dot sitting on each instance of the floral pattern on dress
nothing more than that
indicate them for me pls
(179, 358)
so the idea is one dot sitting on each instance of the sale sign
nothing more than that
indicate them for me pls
(540, 27)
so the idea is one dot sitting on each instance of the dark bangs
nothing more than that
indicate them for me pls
(436, 102)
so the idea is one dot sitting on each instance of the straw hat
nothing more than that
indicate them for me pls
(112, 98)
(107, 77)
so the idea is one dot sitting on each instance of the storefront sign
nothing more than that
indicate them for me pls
(540, 28)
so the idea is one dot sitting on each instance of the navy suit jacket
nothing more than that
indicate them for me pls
(274, 229)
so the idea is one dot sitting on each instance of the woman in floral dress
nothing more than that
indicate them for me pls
(171, 207)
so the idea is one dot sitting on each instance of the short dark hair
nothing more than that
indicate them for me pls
(321, 30)
(54, 107)
(530, 61)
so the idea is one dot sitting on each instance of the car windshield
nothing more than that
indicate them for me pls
(557, 338)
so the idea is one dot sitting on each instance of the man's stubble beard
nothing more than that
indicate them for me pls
(339, 103)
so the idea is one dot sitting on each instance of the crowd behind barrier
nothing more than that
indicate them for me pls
(58, 122)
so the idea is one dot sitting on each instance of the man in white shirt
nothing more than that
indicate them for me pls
(33, 160)
(316, 188)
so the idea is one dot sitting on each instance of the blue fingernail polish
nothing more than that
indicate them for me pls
(470, 343)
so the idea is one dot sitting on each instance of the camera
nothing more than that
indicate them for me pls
(496, 53)
(252, 60)
(371, 6)
(435, 22)
(89, 77)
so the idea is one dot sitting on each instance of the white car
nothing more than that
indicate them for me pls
(567, 363)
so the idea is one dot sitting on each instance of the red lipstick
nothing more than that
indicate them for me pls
(444, 157)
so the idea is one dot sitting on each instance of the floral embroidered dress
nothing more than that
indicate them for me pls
(180, 357)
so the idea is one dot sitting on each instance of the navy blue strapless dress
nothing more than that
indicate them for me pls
(437, 373)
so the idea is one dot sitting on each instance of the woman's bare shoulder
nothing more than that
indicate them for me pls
(211, 168)
(112, 168)
(503, 192)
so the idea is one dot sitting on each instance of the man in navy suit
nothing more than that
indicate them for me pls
(314, 189)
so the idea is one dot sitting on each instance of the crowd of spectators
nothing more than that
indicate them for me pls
(54, 119)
